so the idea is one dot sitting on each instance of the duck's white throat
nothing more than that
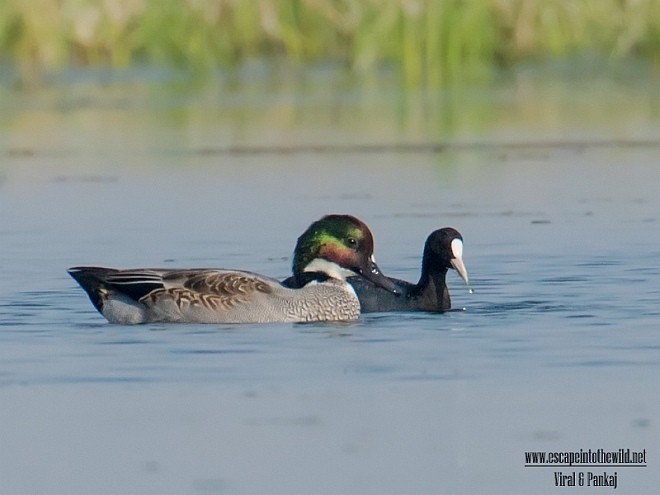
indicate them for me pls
(330, 268)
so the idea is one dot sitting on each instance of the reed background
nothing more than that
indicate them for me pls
(427, 42)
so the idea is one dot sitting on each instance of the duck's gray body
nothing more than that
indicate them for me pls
(211, 296)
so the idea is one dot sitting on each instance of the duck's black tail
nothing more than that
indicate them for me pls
(92, 280)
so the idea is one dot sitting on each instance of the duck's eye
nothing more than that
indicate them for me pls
(352, 242)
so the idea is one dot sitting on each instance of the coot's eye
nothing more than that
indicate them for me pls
(352, 242)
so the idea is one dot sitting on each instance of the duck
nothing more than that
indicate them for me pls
(443, 250)
(330, 250)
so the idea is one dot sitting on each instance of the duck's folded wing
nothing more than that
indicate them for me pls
(190, 295)
(216, 290)
(135, 283)
(212, 288)
(99, 282)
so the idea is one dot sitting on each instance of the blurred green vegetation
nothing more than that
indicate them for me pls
(429, 42)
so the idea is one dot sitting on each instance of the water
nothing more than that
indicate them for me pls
(555, 350)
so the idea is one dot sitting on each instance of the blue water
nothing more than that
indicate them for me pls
(556, 349)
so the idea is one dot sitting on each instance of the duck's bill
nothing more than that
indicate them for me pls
(458, 265)
(372, 273)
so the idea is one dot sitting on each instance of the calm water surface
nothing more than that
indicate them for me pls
(556, 350)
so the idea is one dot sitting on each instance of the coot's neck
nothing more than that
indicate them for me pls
(431, 290)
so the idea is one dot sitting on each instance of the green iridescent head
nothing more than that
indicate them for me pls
(338, 246)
